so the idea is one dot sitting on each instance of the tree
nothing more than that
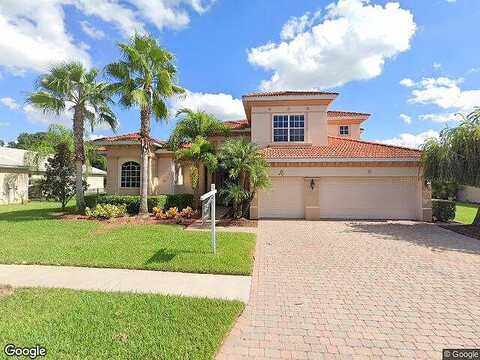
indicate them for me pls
(199, 152)
(246, 169)
(70, 86)
(193, 124)
(144, 78)
(59, 181)
(2, 143)
(455, 155)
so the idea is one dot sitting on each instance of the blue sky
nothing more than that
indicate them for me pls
(412, 64)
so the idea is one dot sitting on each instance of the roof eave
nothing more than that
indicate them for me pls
(342, 159)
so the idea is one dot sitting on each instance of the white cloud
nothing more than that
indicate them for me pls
(297, 25)
(222, 106)
(34, 36)
(9, 103)
(38, 117)
(91, 30)
(407, 82)
(411, 140)
(444, 93)
(440, 117)
(352, 42)
(4, 124)
(406, 119)
(437, 66)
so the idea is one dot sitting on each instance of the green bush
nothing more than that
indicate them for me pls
(107, 211)
(132, 202)
(444, 190)
(443, 210)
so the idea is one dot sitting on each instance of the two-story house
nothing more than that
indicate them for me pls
(320, 167)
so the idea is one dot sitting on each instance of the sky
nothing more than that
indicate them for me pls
(412, 64)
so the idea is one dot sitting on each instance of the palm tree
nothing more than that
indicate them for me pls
(455, 155)
(198, 152)
(245, 167)
(144, 78)
(70, 86)
(193, 124)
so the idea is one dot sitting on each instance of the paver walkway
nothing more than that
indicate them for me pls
(366, 290)
(230, 287)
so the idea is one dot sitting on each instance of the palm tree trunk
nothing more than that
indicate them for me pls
(78, 131)
(145, 150)
(196, 185)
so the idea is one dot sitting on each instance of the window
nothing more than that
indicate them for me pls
(130, 177)
(288, 128)
(344, 130)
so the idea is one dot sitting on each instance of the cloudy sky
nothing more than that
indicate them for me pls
(412, 64)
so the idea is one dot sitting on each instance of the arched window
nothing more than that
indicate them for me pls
(130, 177)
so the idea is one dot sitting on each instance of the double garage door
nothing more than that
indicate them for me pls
(342, 198)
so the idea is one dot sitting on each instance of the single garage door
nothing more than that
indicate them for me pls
(369, 198)
(283, 200)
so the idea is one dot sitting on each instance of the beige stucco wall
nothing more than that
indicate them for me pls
(95, 183)
(315, 123)
(334, 130)
(469, 194)
(13, 187)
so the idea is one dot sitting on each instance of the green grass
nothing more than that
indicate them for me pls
(465, 212)
(32, 234)
(92, 325)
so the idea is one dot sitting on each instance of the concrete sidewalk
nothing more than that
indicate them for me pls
(231, 287)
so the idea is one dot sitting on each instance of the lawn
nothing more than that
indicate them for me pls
(465, 212)
(33, 234)
(92, 325)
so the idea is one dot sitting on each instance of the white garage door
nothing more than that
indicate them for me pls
(369, 198)
(283, 200)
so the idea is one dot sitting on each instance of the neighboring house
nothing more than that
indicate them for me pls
(320, 167)
(469, 194)
(16, 175)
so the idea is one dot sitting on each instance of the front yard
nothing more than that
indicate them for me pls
(465, 212)
(92, 325)
(33, 234)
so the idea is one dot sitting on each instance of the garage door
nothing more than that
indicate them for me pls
(283, 200)
(369, 198)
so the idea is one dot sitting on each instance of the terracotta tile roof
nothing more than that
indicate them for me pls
(337, 114)
(288, 93)
(125, 137)
(340, 148)
(237, 124)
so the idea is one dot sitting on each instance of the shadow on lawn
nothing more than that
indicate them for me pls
(426, 235)
(31, 214)
(165, 255)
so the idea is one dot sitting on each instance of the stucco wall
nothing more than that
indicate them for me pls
(469, 194)
(13, 187)
(334, 130)
(315, 123)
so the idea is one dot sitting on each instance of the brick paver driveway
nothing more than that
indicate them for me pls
(359, 290)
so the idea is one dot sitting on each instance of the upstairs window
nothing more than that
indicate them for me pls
(344, 130)
(288, 128)
(130, 176)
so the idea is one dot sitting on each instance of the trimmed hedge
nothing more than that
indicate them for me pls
(132, 202)
(443, 210)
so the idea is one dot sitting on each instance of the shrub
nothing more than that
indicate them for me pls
(180, 201)
(444, 190)
(443, 210)
(171, 213)
(187, 212)
(107, 211)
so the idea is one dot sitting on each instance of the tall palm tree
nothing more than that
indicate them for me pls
(193, 124)
(71, 87)
(455, 155)
(198, 152)
(144, 78)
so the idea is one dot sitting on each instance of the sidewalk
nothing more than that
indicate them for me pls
(229, 287)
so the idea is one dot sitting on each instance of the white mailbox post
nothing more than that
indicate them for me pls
(208, 209)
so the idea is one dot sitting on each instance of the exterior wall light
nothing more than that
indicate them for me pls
(312, 184)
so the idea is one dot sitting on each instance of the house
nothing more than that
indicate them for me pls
(469, 194)
(16, 175)
(320, 167)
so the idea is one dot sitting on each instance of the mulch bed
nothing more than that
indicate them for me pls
(136, 220)
(237, 223)
(472, 231)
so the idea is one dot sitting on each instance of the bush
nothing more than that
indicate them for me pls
(187, 212)
(444, 190)
(132, 202)
(443, 210)
(107, 211)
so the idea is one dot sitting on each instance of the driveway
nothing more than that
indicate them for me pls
(339, 289)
